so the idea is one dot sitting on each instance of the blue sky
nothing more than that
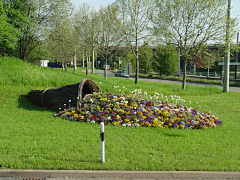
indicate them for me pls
(97, 3)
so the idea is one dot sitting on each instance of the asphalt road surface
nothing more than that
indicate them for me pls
(18, 178)
(111, 74)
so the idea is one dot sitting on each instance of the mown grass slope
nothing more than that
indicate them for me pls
(32, 138)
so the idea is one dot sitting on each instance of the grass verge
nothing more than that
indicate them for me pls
(31, 138)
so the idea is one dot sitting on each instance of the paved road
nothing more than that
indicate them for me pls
(11, 174)
(110, 73)
(8, 178)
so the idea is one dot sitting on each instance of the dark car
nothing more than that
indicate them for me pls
(121, 73)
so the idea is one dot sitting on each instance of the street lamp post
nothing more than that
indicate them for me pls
(227, 56)
(208, 66)
(222, 71)
(179, 60)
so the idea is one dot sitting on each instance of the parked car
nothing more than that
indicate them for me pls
(121, 73)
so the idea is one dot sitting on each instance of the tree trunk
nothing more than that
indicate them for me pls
(93, 59)
(105, 69)
(137, 64)
(63, 65)
(75, 62)
(87, 66)
(83, 59)
(184, 74)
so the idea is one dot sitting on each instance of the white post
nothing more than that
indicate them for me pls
(102, 146)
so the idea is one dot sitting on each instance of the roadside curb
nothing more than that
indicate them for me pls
(42, 174)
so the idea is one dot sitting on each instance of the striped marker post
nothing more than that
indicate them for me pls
(102, 146)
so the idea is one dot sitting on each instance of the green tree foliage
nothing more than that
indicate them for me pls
(166, 59)
(19, 14)
(9, 34)
(130, 57)
(145, 59)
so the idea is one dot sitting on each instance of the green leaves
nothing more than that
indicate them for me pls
(9, 35)
(166, 58)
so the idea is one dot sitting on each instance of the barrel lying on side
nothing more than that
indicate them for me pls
(56, 98)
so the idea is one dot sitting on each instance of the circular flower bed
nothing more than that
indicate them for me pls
(134, 110)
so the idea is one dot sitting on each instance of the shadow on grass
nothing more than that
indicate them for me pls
(24, 103)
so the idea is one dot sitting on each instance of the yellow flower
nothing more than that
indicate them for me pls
(156, 123)
(165, 113)
(115, 123)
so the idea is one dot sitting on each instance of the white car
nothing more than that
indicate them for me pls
(121, 73)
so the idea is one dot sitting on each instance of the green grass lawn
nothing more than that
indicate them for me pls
(32, 138)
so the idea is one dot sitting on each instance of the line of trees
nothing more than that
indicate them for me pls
(49, 29)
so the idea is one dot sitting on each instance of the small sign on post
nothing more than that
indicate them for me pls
(128, 68)
(102, 146)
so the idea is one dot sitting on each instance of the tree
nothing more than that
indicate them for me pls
(190, 24)
(135, 16)
(86, 22)
(60, 36)
(166, 59)
(109, 37)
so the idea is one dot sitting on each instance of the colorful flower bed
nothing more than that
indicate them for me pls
(134, 110)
